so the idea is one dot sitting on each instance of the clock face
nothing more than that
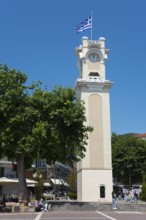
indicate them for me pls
(93, 57)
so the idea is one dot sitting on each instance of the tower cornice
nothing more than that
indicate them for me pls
(93, 86)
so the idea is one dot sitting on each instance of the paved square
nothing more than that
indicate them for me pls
(75, 215)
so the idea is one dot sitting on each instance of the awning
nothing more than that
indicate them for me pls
(8, 180)
(47, 184)
(28, 181)
(30, 185)
(33, 184)
(56, 181)
(64, 182)
(15, 180)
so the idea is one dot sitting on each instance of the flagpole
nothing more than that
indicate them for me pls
(92, 23)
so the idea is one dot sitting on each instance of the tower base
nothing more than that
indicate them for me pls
(97, 185)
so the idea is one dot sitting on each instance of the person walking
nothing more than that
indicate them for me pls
(132, 195)
(135, 196)
(119, 194)
(127, 196)
(114, 200)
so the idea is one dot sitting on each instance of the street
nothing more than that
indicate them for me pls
(76, 215)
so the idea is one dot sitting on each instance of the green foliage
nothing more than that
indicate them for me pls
(39, 124)
(128, 150)
(65, 134)
(18, 118)
(72, 195)
(72, 181)
(143, 191)
(39, 186)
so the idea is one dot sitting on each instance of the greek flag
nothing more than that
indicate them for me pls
(86, 24)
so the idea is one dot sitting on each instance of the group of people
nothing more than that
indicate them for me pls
(41, 205)
(131, 196)
(10, 197)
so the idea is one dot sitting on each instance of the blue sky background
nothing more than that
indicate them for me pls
(38, 37)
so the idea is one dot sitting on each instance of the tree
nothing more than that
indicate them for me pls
(39, 186)
(72, 180)
(39, 124)
(128, 158)
(143, 190)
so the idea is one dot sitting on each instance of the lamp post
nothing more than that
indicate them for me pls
(129, 169)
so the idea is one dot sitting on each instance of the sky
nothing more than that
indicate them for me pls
(38, 38)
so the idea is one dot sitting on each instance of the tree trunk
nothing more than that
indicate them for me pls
(22, 186)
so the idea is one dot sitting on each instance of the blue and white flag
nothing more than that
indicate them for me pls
(86, 24)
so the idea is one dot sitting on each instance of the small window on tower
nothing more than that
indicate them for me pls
(93, 57)
(102, 191)
(94, 74)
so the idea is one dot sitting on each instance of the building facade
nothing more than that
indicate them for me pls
(54, 176)
(141, 136)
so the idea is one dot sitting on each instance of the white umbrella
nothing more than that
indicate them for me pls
(14, 180)
(30, 181)
(56, 181)
(7, 180)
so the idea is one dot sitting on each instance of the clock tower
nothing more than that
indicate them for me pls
(94, 171)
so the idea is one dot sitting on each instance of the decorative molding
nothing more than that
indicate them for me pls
(97, 87)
